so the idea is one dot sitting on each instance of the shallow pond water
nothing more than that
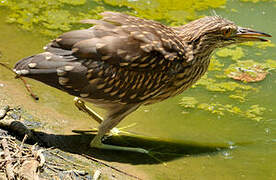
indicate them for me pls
(194, 143)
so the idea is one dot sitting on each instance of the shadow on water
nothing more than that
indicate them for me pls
(160, 150)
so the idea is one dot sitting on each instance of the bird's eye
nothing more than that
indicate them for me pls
(227, 33)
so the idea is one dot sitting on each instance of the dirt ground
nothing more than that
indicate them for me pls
(26, 153)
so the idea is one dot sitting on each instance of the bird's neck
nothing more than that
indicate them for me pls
(200, 47)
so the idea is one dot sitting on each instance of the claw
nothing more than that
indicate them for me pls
(115, 132)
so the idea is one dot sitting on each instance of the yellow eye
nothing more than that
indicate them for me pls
(227, 32)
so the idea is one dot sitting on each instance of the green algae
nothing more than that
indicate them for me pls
(271, 64)
(212, 84)
(215, 65)
(51, 17)
(73, 2)
(253, 112)
(237, 91)
(265, 45)
(256, 1)
(239, 95)
(260, 45)
(219, 109)
(188, 102)
(235, 53)
(217, 80)
(174, 12)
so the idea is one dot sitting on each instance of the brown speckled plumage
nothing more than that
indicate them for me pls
(123, 61)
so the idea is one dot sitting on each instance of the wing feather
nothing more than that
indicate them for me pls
(125, 41)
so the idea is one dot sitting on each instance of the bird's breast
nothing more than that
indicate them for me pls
(183, 79)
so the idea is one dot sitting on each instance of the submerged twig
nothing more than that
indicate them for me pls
(27, 86)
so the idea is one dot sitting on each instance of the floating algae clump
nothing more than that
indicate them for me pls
(260, 45)
(271, 64)
(188, 102)
(256, 1)
(236, 53)
(254, 112)
(212, 85)
(249, 70)
(49, 17)
(172, 12)
(215, 65)
(52, 17)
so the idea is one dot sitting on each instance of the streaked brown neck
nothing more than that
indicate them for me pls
(200, 45)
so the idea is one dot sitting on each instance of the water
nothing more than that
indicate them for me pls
(195, 145)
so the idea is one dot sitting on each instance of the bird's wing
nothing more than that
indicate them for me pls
(121, 58)
(123, 40)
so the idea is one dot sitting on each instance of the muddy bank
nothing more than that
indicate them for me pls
(29, 153)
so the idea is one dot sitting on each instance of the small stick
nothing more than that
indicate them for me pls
(102, 163)
(67, 160)
(7, 137)
(27, 86)
(23, 141)
(18, 159)
(19, 152)
(9, 170)
(51, 167)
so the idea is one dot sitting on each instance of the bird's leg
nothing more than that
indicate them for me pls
(112, 120)
(82, 107)
(80, 104)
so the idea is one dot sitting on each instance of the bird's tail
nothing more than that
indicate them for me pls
(57, 71)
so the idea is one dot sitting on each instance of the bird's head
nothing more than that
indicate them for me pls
(215, 31)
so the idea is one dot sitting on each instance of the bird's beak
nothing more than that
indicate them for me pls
(251, 35)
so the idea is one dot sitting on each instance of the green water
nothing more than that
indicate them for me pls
(208, 146)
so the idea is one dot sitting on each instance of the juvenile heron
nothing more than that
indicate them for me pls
(123, 62)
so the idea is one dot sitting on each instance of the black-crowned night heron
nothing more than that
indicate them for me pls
(123, 62)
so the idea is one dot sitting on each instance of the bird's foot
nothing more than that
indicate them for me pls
(113, 132)
(117, 131)
(100, 145)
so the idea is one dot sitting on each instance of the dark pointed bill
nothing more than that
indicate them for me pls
(249, 34)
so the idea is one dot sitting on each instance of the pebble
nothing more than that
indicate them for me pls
(4, 111)
(97, 175)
